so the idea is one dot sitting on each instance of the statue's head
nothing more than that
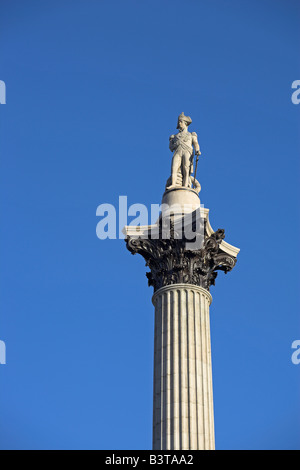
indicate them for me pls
(183, 121)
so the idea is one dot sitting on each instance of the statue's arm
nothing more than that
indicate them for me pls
(196, 143)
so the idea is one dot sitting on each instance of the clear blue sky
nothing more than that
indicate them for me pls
(93, 93)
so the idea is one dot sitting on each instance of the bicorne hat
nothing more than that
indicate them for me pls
(184, 118)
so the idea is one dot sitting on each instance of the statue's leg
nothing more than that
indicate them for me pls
(176, 162)
(185, 169)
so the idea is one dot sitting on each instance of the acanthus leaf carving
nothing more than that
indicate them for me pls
(170, 263)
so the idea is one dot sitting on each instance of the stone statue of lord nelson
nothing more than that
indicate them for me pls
(183, 145)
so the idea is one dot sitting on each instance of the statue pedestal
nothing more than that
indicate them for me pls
(180, 201)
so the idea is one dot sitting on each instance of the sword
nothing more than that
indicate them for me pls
(195, 172)
(191, 162)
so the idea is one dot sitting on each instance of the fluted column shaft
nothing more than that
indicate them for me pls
(183, 397)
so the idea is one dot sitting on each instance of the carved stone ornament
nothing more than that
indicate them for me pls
(170, 262)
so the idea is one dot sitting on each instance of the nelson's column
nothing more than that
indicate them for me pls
(183, 254)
